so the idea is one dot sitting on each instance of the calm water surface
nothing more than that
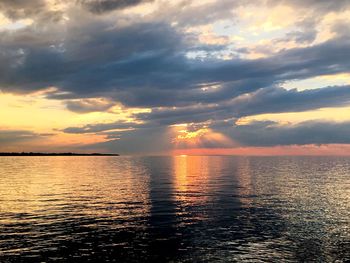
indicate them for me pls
(174, 209)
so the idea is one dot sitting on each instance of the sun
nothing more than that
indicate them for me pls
(188, 136)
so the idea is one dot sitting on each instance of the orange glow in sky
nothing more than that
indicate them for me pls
(175, 77)
(293, 150)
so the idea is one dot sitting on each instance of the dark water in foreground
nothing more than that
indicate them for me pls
(174, 209)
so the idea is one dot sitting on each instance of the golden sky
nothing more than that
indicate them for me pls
(161, 77)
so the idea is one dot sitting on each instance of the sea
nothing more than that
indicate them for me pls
(174, 209)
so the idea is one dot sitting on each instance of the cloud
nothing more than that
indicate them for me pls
(9, 137)
(306, 32)
(265, 100)
(271, 133)
(322, 6)
(89, 105)
(144, 65)
(255, 134)
(102, 127)
(272, 100)
(93, 59)
(195, 13)
(37, 10)
(22, 8)
(102, 6)
(121, 59)
(140, 141)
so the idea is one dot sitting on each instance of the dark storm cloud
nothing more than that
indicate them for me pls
(271, 133)
(102, 6)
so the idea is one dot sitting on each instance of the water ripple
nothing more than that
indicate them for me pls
(174, 209)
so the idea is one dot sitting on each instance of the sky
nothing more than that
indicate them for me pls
(269, 77)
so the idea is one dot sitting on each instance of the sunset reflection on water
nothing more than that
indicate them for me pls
(180, 209)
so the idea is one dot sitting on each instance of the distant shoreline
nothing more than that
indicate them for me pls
(55, 154)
